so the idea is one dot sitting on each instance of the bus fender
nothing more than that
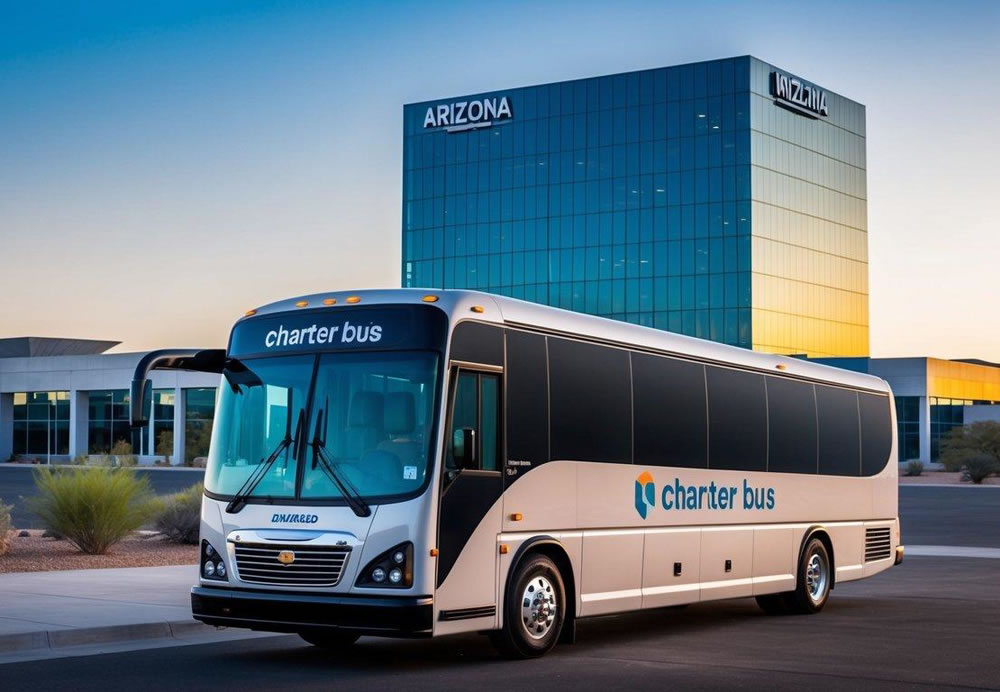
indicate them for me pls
(552, 548)
(819, 531)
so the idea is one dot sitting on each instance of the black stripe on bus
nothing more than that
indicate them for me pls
(467, 613)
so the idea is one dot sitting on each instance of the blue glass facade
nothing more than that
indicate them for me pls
(632, 196)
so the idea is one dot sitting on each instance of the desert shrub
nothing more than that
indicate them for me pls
(965, 441)
(121, 451)
(92, 508)
(914, 467)
(179, 516)
(120, 454)
(5, 528)
(165, 445)
(979, 467)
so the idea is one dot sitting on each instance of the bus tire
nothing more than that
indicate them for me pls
(330, 640)
(534, 610)
(815, 577)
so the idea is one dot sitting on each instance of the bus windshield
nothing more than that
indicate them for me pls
(365, 417)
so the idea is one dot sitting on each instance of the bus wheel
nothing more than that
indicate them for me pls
(534, 610)
(330, 640)
(813, 585)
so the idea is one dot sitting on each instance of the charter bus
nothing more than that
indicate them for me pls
(422, 463)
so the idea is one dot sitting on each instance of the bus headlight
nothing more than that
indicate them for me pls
(212, 566)
(395, 563)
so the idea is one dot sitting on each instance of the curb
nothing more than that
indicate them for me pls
(81, 636)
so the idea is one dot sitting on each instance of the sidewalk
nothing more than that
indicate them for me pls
(56, 610)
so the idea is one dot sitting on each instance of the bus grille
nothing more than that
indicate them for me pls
(315, 565)
(877, 544)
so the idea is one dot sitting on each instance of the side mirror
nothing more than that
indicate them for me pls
(140, 402)
(464, 446)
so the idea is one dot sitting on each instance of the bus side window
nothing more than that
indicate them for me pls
(464, 413)
(489, 392)
(477, 406)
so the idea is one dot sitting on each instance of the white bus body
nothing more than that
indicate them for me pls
(623, 467)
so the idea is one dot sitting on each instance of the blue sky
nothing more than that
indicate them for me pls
(165, 166)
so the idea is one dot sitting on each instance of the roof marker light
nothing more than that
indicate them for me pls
(478, 309)
(329, 301)
(302, 303)
(429, 299)
(250, 313)
(781, 366)
(353, 299)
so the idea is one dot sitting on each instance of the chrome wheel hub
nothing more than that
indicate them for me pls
(538, 607)
(817, 577)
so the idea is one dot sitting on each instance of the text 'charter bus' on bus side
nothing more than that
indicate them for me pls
(409, 464)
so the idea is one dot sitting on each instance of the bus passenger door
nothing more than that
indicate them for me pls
(470, 516)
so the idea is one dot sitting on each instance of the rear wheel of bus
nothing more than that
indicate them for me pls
(330, 640)
(812, 590)
(534, 610)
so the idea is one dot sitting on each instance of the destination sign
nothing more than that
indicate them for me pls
(338, 329)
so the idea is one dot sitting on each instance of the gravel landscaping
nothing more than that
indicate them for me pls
(37, 554)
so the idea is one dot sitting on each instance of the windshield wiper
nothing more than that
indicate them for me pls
(350, 493)
(239, 500)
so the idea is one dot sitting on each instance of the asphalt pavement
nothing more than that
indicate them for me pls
(931, 623)
(17, 484)
(950, 515)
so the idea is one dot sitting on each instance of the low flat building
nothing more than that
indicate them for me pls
(63, 398)
(933, 396)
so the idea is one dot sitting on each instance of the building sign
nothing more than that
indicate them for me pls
(468, 115)
(799, 96)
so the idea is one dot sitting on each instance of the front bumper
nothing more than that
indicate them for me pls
(270, 611)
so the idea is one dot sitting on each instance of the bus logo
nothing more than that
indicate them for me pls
(286, 557)
(645, 493)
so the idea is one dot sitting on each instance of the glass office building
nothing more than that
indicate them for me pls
(724, 200)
